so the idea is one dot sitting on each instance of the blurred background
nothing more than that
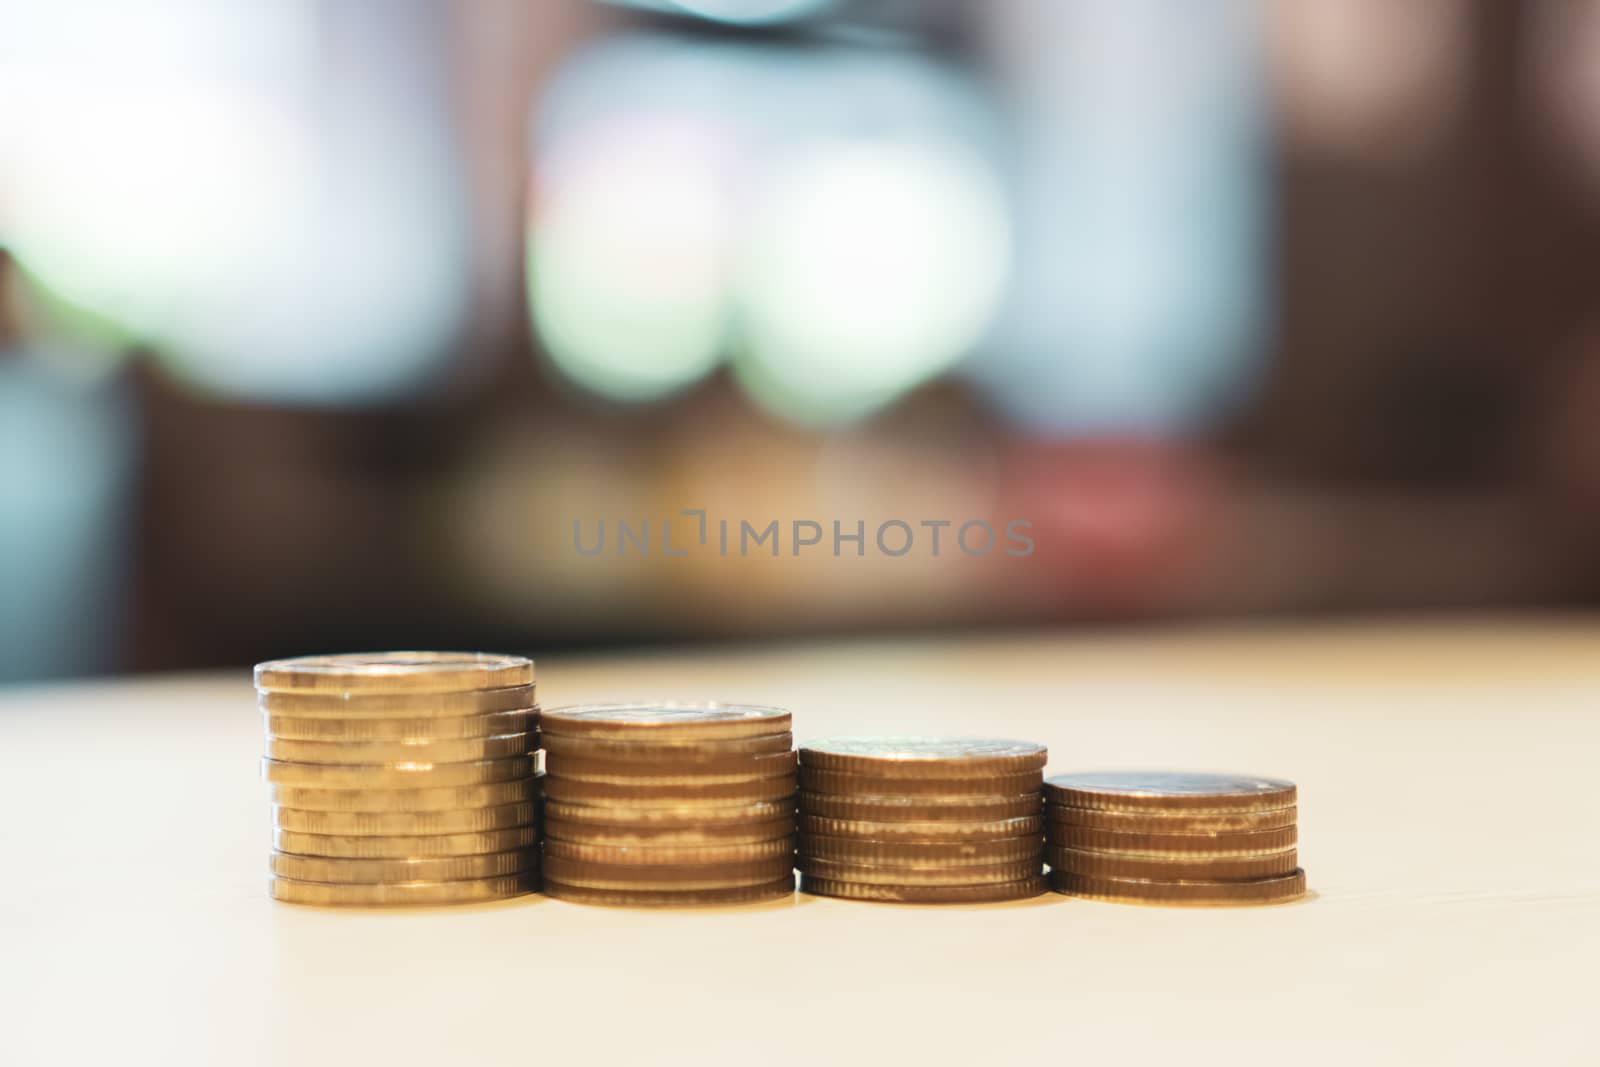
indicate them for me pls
(323, 322)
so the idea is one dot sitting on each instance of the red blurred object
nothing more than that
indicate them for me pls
(1120, 524)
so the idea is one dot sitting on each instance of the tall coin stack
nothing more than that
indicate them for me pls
(401, 777)
(921, 820)
(1167, 837)
(668, 804)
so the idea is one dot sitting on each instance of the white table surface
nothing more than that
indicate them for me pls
(1449, 821)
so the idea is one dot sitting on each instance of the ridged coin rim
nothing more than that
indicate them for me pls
(405, 846)
(666, 876)
(1173, 822)
(1247, 843)
(1023, 889)
(676, 815)
(394, 672)
(924, 757)
(838, 783)
(670, 898)
(924, 832)
(877, 874)
(575, 791)
(418, 774)
(1186, 791)
(1167, 869)
(402, 823)
(726, 772)
(675, 721)
(1281, 890)
(413, 727)
(920, 856)
(441, 798)
(669, 751)
(451, 750)
(407, 895)
(656, 855)
(645, 837)
(920, 809)
(425, 869)
(447, 705)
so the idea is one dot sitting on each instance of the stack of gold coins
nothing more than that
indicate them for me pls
(921, 820)
(401, 777)
(667, 804)
(1167, 837)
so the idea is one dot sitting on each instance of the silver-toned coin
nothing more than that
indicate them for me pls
(655, 749)
(1158, 790)
(706, 722)
(394, 672)
(924, 757)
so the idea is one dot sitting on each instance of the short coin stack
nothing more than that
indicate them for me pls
(919, 820)
(401, 777)
(1168, 837)
(668, 804)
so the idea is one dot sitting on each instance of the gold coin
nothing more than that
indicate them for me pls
(855, 785)
(458, 727)
(457, 750)
(677, 898)
(708, 772)
(872, 874)
(650, 855)
(921, 808)
(1022, 889)
(679, 815)
(566, 789)
(666, 722)
(1176, 822)
(924, 757)
(397, 705)
(416, 774)
(667, 750)
(409, 869)
(925, 832)
(632, 836)
(409, 846)
(1254, 843)
(1170, 868)
(408, 894)
(488, 795)
(922, 856)
(397, 823)
(1277, 890)
(667, 876)
(394, 672)
(1155, 791)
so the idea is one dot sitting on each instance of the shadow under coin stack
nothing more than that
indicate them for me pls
(668, 804)
(401, 778)
(1167, 837)
(921, 820)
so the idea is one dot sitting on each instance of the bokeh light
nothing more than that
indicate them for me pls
(273, 235)
(874, 265)
(753, 12)
(1144, 188)
(629, 253)
(828, 217)
(67, 466)
(738, 12)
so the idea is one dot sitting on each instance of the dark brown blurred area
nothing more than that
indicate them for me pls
(1424, 432)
